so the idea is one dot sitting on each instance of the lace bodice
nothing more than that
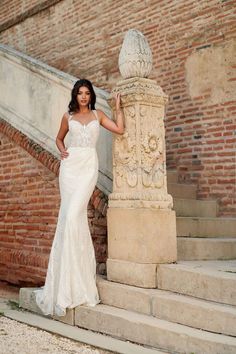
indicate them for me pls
(83, 135)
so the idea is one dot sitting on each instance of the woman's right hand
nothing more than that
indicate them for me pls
(117, 100)
(64, 154)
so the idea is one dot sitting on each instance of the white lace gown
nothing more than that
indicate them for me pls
(71, 274)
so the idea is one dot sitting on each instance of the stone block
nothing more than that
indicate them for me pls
(27, 301)
(190, 248)
(192, 312)
(137, 274)
(124, 296)
(142, 235)
(190, 207)
(206, 227)
(178, 190)
(69, 318)
(209, 280)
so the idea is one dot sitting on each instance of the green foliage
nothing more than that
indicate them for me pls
(14, 305)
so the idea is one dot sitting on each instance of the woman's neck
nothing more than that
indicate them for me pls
(84, 110)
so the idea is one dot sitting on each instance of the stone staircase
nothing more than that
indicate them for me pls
(164, 319)
(194, 308)
(201, 234)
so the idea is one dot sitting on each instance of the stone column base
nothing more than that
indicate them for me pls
(142, 235)
(137, 274)
(138, 240)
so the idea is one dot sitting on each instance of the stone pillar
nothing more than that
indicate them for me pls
(141, 222)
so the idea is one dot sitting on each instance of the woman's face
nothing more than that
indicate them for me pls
(83, 96)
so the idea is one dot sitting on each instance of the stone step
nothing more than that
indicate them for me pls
(152, 332)
(179, 190)
(27, 300)
(191, 207)
(172, 307)
(172, 176)
(98, 340)
(206, 227)
(209, 280)
(190, 248)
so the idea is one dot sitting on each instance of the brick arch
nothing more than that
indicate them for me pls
(29, 206)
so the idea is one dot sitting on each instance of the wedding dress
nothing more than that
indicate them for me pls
(71, 274)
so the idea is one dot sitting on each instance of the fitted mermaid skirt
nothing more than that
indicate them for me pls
(71, 274)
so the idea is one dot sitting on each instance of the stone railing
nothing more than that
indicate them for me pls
(34, 97)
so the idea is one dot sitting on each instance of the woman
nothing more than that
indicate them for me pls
(71, 274)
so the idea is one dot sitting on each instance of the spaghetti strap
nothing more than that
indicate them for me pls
(96, 114)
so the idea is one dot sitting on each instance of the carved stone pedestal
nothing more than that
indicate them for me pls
(141, 224)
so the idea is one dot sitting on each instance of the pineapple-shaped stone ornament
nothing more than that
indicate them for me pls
(135, 59)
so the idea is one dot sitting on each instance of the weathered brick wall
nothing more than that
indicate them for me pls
(29, 203)
(193, 44)
(14, 12)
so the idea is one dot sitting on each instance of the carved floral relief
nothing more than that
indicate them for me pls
(124, 153)
(152, 147)
(139, 171)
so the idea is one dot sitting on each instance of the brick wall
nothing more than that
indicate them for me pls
(14, 12)
(193, 44)
(29, 203)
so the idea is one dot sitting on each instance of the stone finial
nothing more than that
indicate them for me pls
(135, 59)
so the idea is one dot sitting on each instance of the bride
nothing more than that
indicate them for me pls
(71, 273)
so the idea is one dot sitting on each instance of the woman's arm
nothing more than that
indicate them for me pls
(114, 126)
(61, 136)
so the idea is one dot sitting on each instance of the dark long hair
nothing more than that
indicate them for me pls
(73, 105)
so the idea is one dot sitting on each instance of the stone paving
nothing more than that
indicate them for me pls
(19, 338)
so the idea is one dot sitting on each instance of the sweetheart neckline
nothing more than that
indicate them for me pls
(83, 125)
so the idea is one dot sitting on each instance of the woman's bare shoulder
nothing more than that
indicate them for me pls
(66, 116)
(65, 119)
(99, 111)
(99, 114)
